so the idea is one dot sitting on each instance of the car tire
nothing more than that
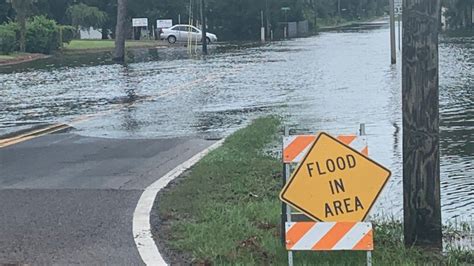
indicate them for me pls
(171, 39)
(208, 40)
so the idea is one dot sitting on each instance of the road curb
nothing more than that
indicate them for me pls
(141, 217)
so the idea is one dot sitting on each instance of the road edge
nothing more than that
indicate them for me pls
(142, 235)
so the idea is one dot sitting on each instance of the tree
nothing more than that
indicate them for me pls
(22, 9)
(53, 9)
(110, 8)
(84, 16)
(4, 11)
(119, 54)
(230, 19)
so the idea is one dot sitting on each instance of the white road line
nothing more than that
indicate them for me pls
(141, 217)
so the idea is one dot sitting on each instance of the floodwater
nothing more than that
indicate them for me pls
(331, 82)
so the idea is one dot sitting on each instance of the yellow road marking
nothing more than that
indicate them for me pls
(31, 135)
(57, 127)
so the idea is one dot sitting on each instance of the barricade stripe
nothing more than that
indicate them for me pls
(296, 232)
(329, 236)
(366, 243)
(333, 236)
(359, 144)
(347, 139)
(365, 151)
(287, 140)
(317, 232)
(289, 225)
(300, 156)
(297, 146)
(353, 237)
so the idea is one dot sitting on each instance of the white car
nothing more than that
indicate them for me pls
(183, 33)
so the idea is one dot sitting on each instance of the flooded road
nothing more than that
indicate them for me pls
(331, 82)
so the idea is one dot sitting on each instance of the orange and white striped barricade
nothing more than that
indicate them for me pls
(328, 236)
(321, 236)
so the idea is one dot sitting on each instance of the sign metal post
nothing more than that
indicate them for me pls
(287, 208)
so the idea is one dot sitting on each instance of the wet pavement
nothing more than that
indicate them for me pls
(68, 199)
(329, 82)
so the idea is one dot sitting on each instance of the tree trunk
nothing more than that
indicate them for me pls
(105, 33)
(21, 17)
(22, 8)
(119, 54)
(420, 96)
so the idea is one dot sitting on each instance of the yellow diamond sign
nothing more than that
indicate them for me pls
(335, 182)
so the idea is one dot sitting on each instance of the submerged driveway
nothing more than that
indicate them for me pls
(69, 199)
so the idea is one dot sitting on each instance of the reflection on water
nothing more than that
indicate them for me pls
(331, 82)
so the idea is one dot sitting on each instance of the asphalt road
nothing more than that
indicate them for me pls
(69, 199)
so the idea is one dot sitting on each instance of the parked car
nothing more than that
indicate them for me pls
(183, 33)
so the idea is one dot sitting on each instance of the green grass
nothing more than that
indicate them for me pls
(104, 44)
(226, 211)
(7, 57)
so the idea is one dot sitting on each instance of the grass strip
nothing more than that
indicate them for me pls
(226, 210)
(6, 57)
(105, 44)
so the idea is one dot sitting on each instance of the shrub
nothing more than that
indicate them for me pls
(42, 35)
(7, 40)
(7, 44)
(69, 33)
(13, 26)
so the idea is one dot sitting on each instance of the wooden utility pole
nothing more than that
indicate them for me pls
(399, 31)
(262, 29)
(420, 96)
(339, 8)
(393, 52)
(119, 53)
(204, 27)
(267, 18)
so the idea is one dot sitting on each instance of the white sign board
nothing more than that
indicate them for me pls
(164, 23)
(139, 22)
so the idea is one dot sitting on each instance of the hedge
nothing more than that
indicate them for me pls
(43, 35)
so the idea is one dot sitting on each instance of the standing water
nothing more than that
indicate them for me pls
(331, 82)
